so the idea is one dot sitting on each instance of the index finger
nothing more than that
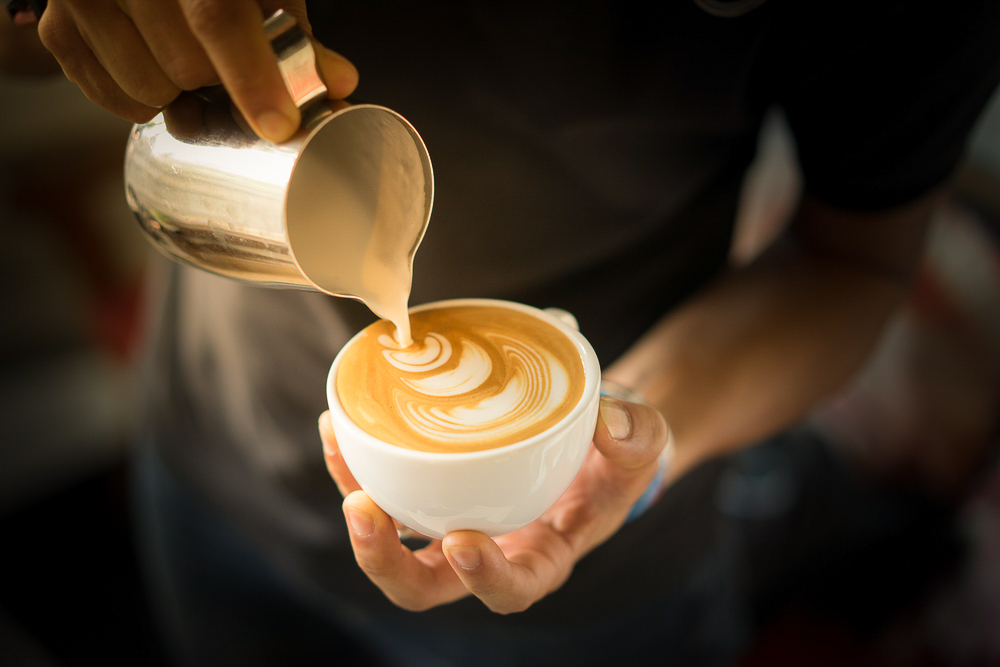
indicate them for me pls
(334, 460)
(232, 34)
(514, 571)
(413, 580)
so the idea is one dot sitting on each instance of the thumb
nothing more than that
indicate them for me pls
(339, 73)
(630, 435)
(624, 463)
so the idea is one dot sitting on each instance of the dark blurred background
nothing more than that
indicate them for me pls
(874, 541)
(73, 271)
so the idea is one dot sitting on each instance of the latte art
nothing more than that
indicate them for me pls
(475, 377)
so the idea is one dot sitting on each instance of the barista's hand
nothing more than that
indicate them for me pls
(512, 572)
(133, 57)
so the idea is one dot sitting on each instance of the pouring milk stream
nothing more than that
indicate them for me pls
(341, 207)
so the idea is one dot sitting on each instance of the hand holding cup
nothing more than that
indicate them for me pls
(511, 572)
(516, 491)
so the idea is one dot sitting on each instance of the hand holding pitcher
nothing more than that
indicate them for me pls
(135, 57)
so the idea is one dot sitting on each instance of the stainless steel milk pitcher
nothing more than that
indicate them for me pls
(354, 186)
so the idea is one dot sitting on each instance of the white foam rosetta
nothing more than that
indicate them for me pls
(527, 388)
(474, 378)
(435, 351)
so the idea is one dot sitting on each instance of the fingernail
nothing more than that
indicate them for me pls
(468, 558)
(275, 125)
(616, 419)
(361, 523)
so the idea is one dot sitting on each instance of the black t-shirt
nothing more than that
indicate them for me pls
(587, 156)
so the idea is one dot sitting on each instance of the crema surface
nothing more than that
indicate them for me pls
(475, 378)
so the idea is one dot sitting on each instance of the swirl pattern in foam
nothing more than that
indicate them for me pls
(475, 377)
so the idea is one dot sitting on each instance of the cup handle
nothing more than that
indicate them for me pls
(565, 317)
(296, 58)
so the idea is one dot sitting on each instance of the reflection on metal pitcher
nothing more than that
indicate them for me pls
(341, 207)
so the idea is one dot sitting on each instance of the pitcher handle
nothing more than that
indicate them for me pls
(296, 58)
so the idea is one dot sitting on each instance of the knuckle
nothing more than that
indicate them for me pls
(491, 593)
(500, 599)
(137, 118)
(506, 607)
(105, 94)
(376, 564)
(119, 104)
(189, 73)
(136, 113)
(156, 95)
(375, 567)
(53, 33)
(112, 98)
(412, 603)
(560, 579)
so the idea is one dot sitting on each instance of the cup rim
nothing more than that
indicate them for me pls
(592, 381)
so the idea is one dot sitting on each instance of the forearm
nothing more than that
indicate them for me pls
(758, 348)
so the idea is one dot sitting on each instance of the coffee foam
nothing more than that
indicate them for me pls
(475, 378)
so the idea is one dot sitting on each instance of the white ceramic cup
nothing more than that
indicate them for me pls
(495, 491)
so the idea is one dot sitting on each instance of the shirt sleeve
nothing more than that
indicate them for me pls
(882, 96)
